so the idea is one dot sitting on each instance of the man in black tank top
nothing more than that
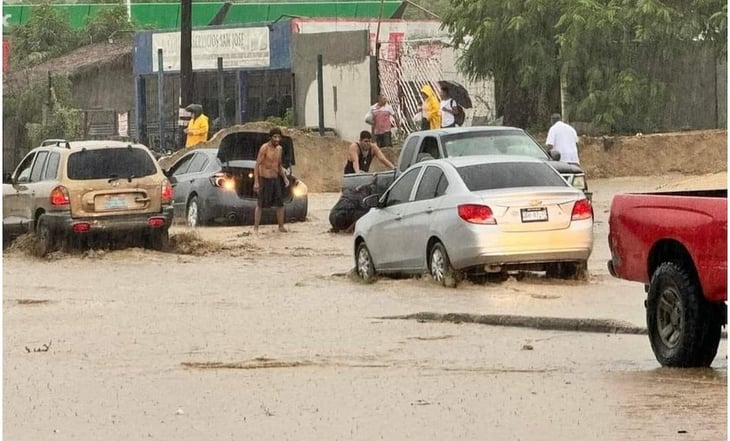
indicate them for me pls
(360, 155)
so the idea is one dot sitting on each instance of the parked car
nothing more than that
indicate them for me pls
(83, 189)
(470, 141)
(675, 244)
(215, 185)
(478, 214)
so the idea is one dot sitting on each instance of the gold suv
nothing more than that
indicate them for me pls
(72, 191)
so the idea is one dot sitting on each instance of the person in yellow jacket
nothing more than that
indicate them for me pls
(431, 108)
(197, 130)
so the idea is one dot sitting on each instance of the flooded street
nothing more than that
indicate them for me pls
(267, 337)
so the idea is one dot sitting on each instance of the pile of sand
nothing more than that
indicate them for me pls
(321, 159)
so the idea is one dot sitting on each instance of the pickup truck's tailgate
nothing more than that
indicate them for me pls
(380, 180)
(648, 228)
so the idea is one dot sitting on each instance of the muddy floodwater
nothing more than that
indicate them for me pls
(240, 337)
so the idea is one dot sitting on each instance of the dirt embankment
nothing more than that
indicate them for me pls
(690, 153)
(321, 159)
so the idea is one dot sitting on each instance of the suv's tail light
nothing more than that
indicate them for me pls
(223, 181)
(59, 196)
(477, 214)
(167, 192)
(582, 210)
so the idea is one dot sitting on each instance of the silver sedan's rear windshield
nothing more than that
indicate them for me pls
(510, 174)
(123, 162)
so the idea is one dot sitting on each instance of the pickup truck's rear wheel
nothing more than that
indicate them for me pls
(684, 329)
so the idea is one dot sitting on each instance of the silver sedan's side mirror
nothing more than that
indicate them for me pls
(554, 154)
(372, 201)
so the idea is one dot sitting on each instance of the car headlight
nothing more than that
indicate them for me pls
(299, 189)
(579, 182)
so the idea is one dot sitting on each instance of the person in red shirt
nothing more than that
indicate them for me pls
(383, 119)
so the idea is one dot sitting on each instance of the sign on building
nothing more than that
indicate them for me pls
(239, 48)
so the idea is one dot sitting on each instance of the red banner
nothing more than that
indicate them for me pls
(6, 54)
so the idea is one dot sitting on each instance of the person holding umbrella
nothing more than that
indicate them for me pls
(448, 108)
(455, 98)
(197, 130)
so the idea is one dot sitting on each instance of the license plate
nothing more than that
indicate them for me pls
(534, 214)
(115, 203)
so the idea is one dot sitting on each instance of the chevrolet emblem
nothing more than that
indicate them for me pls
(535, 202)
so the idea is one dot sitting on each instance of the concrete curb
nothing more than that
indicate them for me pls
(545, 323)
(603, 326)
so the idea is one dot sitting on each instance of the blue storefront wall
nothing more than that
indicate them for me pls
(279, 48)
(157, 110)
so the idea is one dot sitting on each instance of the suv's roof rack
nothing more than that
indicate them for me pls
(56, 141)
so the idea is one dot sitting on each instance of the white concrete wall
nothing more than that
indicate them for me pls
(346, 98)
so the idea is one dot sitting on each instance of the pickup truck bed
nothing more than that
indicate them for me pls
(675, 243)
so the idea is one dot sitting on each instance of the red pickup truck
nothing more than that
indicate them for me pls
(675, 243)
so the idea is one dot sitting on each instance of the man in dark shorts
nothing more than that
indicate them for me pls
(267, 179)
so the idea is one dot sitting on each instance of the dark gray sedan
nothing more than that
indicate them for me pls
(216, 185)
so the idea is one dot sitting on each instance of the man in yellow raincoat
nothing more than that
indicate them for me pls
(431, 108)
(197, 130)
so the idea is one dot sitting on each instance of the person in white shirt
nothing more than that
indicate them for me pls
(447, 108)
(563, 138)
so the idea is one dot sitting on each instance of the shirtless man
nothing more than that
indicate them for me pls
(266, 181)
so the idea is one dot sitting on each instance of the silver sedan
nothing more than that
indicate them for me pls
(475, 215)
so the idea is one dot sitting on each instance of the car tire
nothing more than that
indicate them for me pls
(303, 211)
(192, 213)
(684, 329)
(158, 239)
(439, 265)
(364, 267)
(47, 239)
(567, 270)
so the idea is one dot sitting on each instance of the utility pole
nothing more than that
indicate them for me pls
(186, 60)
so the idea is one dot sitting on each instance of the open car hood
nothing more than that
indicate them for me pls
(245, 146)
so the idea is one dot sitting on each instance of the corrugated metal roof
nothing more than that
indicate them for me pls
(167, 15)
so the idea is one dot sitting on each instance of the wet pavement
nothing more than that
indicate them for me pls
(268, 338)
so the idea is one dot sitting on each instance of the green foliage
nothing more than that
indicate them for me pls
(43, 112)
(48, 33)
(611, 52)
(45, 35)
(286, 121)
(107, 23)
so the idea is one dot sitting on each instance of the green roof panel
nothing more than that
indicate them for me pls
(163, 16)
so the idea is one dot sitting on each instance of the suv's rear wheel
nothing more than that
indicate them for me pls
(158, 239)
(47, 240)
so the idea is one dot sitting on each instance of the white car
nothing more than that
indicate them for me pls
(477, 214)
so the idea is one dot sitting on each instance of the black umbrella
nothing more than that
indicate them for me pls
(457, 92)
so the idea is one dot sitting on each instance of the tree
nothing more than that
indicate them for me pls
(46, 34)
(107, 23)
(606, 50)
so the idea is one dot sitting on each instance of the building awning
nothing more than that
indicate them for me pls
(167, 15)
